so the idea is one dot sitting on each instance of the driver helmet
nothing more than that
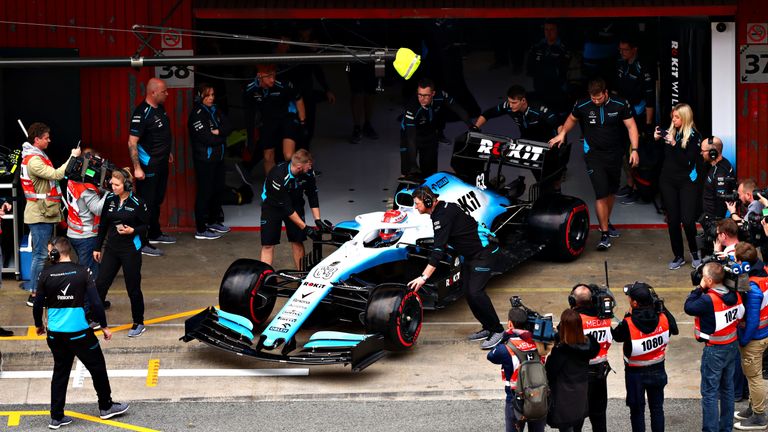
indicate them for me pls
(392, 235)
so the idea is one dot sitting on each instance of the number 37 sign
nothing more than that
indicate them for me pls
(176, 76)
(754, 64)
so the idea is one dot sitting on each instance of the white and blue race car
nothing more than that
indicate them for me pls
(363, 281)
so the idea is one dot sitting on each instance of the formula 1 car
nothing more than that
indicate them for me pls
(363, 281)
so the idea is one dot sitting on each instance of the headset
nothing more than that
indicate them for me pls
(572, 298)
(54, 255)
(127, 183)
(713, 153)
(426, 196)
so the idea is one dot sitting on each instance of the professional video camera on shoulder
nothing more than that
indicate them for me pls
(90, 168)
(726, 188)
(539, 325)
(735, 277)
(601, 300)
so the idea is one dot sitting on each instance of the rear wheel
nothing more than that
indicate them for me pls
(243, 291)
(560, 222)
(395, 312)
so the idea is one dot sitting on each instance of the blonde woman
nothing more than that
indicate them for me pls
(679, 183)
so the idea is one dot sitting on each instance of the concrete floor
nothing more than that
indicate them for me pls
(188, 276)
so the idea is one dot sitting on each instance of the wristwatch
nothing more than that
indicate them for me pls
(634, 149)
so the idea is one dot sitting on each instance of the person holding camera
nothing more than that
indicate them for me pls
(567, 369)
(747, 199)
(719, 168)
(63, 289)
(124, 223)
(282, 203)
(679, 182)
(645, 332)
(582, 301)
(208, 131)
(717, 312)
(517, 340)
(753, 338)
(459, 230)
(40, 183)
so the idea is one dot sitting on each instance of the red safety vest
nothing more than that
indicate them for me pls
(726, 321)
(523, 346)
(601, 330)
(647, 348)
(29, 188)
(762, 282)
(74, 222)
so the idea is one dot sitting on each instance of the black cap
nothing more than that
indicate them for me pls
(639, 292)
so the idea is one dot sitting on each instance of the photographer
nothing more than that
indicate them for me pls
(717, 313)
(505, 356)
(645, 332)
(719, 167)
(746, 199)
(753, 338)
(727, 237)
(581, 301)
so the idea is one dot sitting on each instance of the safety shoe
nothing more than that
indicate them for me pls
(624, 191)
(369, 132)
(150, 250)
(695, 260)
(163, 238)
(676, 263)
(136, 331)
(630, 199)
(743, 415)
(208, 235)
(220, 228)
(605, 242)
(755, 422)
(55, 424)
(481, 335)
(613, 232)
(31, 301)
(357, 135)
(115, 410)
(492, 341)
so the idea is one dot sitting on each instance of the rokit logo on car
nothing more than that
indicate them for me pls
(513, 150)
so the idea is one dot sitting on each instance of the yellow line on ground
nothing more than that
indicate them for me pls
(14, 419)
(152, 370)
(15, 416)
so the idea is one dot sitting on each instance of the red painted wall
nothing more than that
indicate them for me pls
(108, 95)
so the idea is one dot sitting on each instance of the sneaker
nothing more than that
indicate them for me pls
(163, 238)
(5, 333)
(755, 422)
(605, 242)
(357, 135)
(150, 250)
(492, 341)
(55, 424)
(695, 260)
(115, 410)
(612, 231)
(482, 334)
(743, 415)
(629, 199)
(31, 301)
(219, 228)
(136, 331)
(208, 235)
(624, 191)
(368, 132)
(676, 263)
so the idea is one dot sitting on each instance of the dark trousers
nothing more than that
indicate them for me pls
(514, 424)
(597, 394)
(130, 261)
(680, 198)
(475, 275)
(85, 346)
(152, 189)
(210, 184)
(422, 150)
(642, 381)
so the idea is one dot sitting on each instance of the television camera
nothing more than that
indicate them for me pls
(92, 169)
(539, 325)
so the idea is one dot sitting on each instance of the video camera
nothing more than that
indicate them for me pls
(9, 160)
(736, 277)
(91, 169)
(726, 188)
(539, 325)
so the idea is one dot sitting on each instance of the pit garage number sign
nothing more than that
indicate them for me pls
(754, 64)
(176, 76)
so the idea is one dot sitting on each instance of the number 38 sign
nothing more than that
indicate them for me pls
(754, 64)
(176, 76)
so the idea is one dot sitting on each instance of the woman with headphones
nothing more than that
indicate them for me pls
(679, 183)
(124, 222)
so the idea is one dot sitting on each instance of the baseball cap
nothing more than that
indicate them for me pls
(639, 292)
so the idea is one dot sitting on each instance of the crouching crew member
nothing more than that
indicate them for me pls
(580, 300)
(452, 226)
(62, 289)
(717, 312)
(645, 332)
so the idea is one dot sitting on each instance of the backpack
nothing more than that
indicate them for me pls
(532, 388)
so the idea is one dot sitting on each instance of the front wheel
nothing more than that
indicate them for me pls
(395, 312)
(243, 291)
(561, 223)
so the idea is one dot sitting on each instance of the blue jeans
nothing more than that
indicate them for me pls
(717, 365)
(642, 381)
(41, 235)
(84, 249)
